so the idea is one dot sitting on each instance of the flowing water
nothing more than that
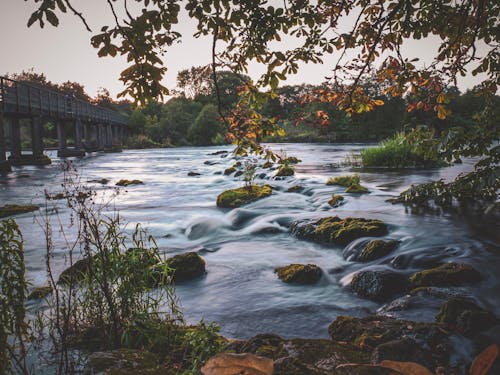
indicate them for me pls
(243, 246)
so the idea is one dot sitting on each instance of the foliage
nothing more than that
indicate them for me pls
(205, 127)
(345, 181)
(249, 173)
(13, 291)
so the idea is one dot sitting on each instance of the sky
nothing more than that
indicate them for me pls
(64, 53)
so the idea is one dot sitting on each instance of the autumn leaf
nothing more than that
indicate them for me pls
(483, 362)
(406, 368)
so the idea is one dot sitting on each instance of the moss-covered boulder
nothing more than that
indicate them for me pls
(299, 273)
(285, 170)
(238, 197)
(124, 362)
(187, 266)
(339, 231)
(449, 274)
(404, 349)
(465, 316)
(376, 249)
(295, 189)
(267, 164)
(344, 181)
(291, 160)
(378, 285)
(75, 272)
(229, 171)
(336, 200)
(40, 292)
(102, 181)
(125, 183)
(16, 209)
(357, 189)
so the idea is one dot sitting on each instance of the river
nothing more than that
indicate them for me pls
(243, 246)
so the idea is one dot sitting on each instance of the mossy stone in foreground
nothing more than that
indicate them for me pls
(344, 181)
(15, 209)
(299, 273)
(238, 197)
(339, 231)
(336, 200)
(124, 362)
(124, 182)
(378, 285)
(285, 170)
(377, 249)
(449, 274)
(187, 266)
(357, 189)
(40, 292)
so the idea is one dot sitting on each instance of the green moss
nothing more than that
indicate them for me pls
(377, 249)
(102, 181)
(40, 292)
(299, 273)
(238, 197)
(267, 164)
(291, 160)
(187, 266)
(229, 170)
(237, 164)
(295, 189)
(15, 209)
(449, 274)
(285, 170)
(76, 272)
(345, 181)
(124, 182)
(124, 362)
(356, 189)
(336, 200)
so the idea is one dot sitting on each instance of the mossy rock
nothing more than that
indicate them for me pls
(187, 266)
(16, 209)
(102, 181)
(229, 171)
(357, 189)
(76, 272)
(55, 197)
(295, 189)
(193, 174)
(241, 196)
(40, 292)
(376, 249)
(123, 362)
(291, 160)
(465, 316)
(238, 173)
(449, 274)
(237, 164)
(267, 164)
(344, 181)
(404, 349)
(378, 285)
(336, 200)
(284, 171)
(124, 182)
(299, 273)
(339, 231)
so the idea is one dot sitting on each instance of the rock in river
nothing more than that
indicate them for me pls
(378, 285)
(448, 274)
(377, 249)
(15, 209)
(187, 266)
(238, 197)
(299, 273)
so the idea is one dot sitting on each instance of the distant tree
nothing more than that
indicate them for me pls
(206, 126)
(137, 122)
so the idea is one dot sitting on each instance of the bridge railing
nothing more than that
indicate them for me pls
(20, 98)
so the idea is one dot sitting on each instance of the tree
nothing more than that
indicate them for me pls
(205, 127)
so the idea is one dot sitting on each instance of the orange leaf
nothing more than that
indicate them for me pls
(441, 112)
(483, 362)
(406, 368)
(378, 102)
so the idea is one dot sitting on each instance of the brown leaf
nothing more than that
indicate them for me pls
(483, 362)
(238, 364)
(406, 368)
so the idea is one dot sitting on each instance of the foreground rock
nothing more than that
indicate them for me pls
(231, 364)
(40, 292)
(336, 200)
(238, 197)
(15, 209)
(357, 189)
(378, 285)
(123, 362)
(299, 273)
(129, 182)
(376, 249)
(285, 170)
(337, 230)
(449, 274)
(187, 266)
(295, 189)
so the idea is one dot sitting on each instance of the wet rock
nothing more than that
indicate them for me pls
(75, 272)
(237, 164)
(378, 285)
(403, 350)
(357, 189)
(336, 200)
(124, 182)
(376, 249)
(238, 173)
(40, 292)
(299, 273)
(344, 181)
(123, 362)
(187, 266)
(102, 181)
(295, 189)
(262, 176)
(16, 209)
(465, 316)
(55, 197)
(449, 274)
(238, 197)
(244, 363)
(209, 162)
(285, 170)
(291, 160)
(267, 164)
(339, 231)
(222, 152)
(192, 174)
(229, 171)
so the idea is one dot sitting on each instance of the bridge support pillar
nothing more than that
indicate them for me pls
(4, 164)
(108, 138)
(100, 137)
(78, 134)
(61, 137)
(37, 137)
(63, 150)
(15, 140)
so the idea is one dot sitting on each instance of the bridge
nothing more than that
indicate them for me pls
(94, 128)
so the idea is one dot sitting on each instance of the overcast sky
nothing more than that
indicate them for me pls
(64, 53)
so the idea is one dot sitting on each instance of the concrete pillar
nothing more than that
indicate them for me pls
(15, 139)
(61, 136)
(108, 137)
(78, 134)
(95, 139)
(4, 164)
(86, 135)
(100, 137)
(37, 137)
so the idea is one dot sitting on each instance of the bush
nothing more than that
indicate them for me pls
(141, 141)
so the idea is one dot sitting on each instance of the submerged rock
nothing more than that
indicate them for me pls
(238, 197)
(193, 174)
(285, 170)
(16, 209)
(299, 273)
(295, 189)
(123, 362)
(40, 292)
(336, 200)
(102, 181)
(340, 231)
(124, 182)
(267, 164)
(187, 266)
(464, 315)
(229, 171)
(238, 173)
(75, 272)
(377, 249)
(344, 181)
(449, 274)
(357, 189)
(291, 160)
(378, 285)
